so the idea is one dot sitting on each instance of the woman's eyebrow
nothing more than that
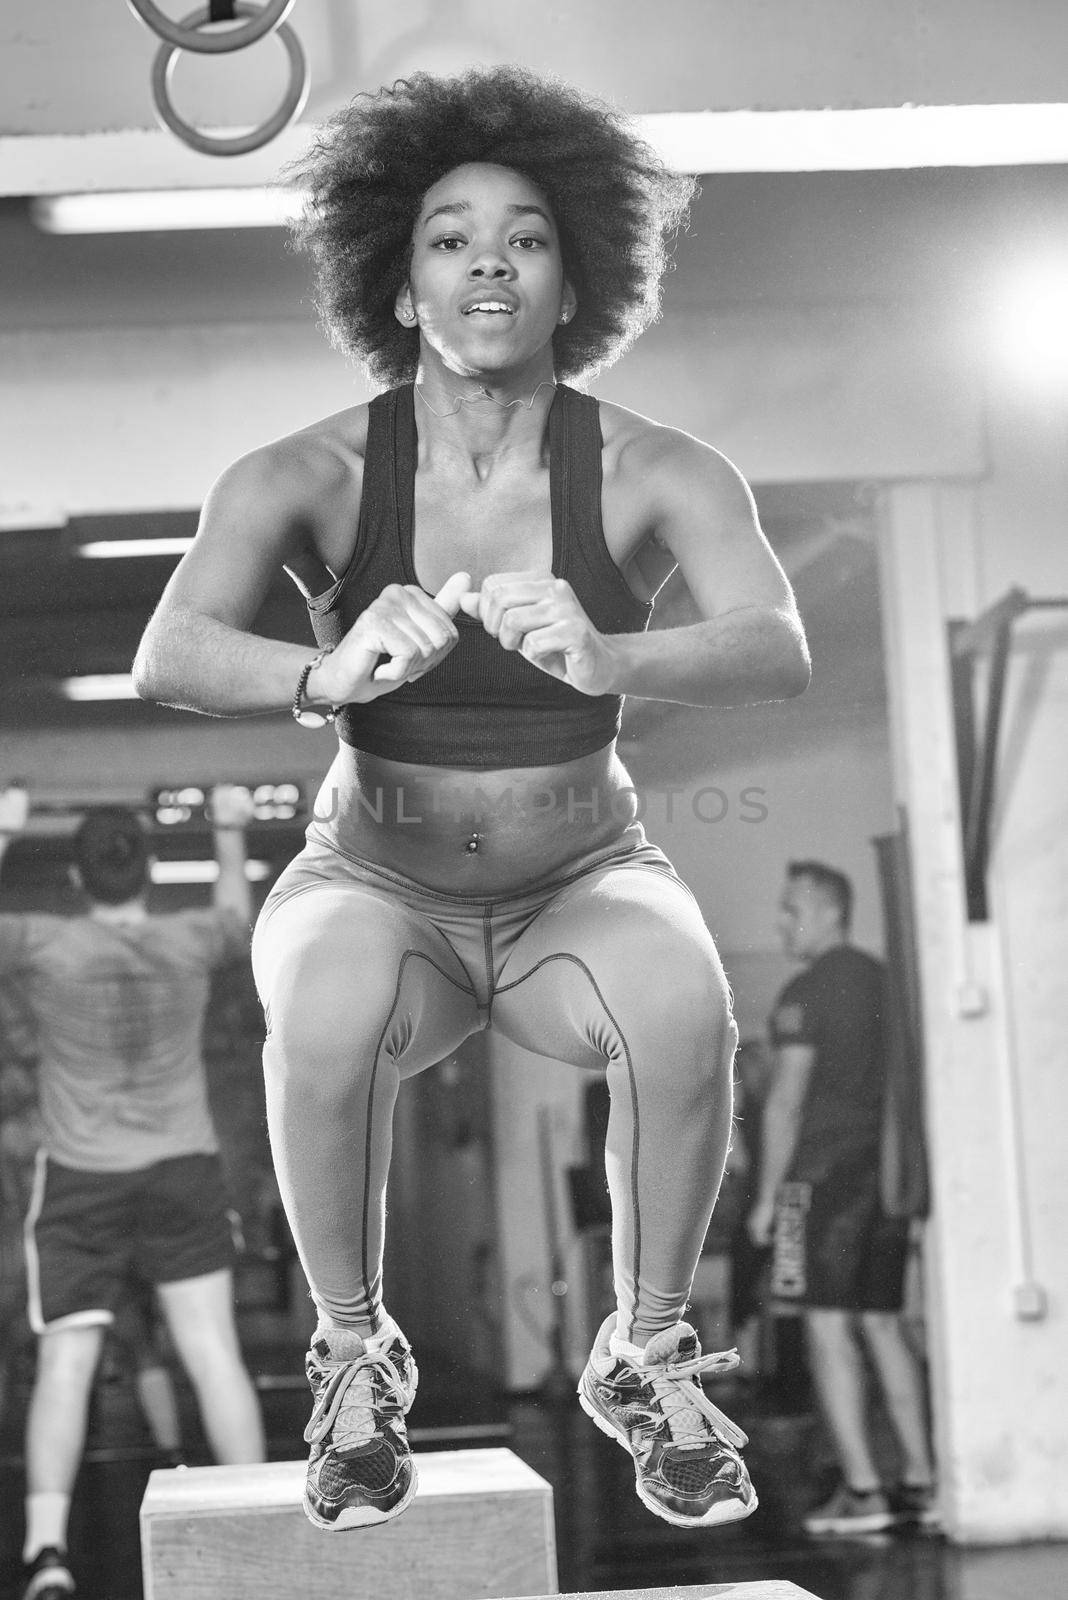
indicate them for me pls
(528, 211)
(450, 206)
(517, 210)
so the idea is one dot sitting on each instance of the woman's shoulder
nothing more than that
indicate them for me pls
(314, 465)
(622, 427)
(639, 449)
(322, 448)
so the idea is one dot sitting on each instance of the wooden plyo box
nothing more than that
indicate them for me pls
(772, 1589)
(480, 1526)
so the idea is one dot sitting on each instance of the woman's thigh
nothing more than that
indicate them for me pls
(619, 959)
(345, 972)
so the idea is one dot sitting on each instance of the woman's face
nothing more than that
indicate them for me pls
(486, 284)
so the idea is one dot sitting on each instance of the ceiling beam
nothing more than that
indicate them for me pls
(831, 140)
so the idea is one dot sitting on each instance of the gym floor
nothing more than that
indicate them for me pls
(605, 1538)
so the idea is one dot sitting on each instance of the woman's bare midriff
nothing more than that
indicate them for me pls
(460, 831)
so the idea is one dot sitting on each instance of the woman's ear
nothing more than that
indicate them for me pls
(568, 303)
(403, 309)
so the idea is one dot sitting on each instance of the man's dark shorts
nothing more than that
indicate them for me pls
(87, 1232)
(834, 1247)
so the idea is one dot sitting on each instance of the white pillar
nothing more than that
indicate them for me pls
(1000, 1373)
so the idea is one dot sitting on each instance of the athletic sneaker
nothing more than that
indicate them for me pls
(360, 1470)
(686, 1463)
(915, 1506)
(850, 1511)
(48, 1577)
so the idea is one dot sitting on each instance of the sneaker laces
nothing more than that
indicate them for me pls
(349, 1398)
(685, 1407)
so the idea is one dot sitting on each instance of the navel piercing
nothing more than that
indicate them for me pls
(472, 843)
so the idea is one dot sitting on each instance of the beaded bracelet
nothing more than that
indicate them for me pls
(304, 714)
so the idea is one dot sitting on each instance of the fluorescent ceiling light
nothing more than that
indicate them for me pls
(203, 871)
(99, 686)
(160, 210)
(118, 549)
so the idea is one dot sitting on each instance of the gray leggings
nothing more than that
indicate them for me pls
(367, 978)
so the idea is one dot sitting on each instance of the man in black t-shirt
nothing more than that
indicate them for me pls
(836, 1253)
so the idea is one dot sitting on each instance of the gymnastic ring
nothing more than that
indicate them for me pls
(291, 107)
(189, 35)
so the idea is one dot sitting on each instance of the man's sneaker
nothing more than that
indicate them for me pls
(915, 1506)
(360, 1470)
(686, 1463)
(850, 1511)
(48, 1577)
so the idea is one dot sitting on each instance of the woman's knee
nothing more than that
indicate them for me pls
(329, 1000)
(689, 1000)
(672, 964)
(674, 1021)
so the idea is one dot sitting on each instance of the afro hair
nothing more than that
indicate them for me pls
(616, 207)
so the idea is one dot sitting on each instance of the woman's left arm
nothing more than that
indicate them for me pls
(750, 643)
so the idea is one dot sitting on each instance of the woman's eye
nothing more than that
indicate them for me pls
(448, 241)
(528, 241)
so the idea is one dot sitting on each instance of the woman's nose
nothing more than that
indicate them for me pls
(490, 263)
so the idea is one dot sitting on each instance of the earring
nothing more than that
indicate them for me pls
(408, 314)
(565, 316)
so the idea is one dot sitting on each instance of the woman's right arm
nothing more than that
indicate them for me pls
(269, 511)
(198, 651)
